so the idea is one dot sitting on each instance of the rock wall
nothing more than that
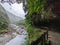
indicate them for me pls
(4, 20)
(55, 9)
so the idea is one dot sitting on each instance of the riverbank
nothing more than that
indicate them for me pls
(16, 35)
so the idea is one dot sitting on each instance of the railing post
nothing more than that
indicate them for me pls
(42, 39)
(47, 34)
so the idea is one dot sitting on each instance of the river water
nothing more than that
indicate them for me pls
(21, 35)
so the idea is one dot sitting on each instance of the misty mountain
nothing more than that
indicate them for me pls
(3, 14)
(13, 18)
(4, 20)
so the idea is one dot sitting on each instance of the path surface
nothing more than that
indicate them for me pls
(54, 37)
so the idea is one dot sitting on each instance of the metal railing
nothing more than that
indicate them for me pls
(41, 40)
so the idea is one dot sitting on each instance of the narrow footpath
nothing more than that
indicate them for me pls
(54, 37)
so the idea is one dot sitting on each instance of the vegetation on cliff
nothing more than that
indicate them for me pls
(36, 15)
(4, 20)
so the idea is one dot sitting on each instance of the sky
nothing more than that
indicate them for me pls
(18, 8)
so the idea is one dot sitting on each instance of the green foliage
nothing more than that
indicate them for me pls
(21, 22)
(2, 31)
(34, 33)
(3, 23)
(3, 19)
(36, 8)
(36, 15)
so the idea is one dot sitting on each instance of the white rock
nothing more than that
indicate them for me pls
(18, 40)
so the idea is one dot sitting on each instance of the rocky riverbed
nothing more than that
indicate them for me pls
(15, 34)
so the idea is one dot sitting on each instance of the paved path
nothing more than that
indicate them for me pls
(54, 37)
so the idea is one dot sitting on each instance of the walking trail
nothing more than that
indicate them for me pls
(54, 37)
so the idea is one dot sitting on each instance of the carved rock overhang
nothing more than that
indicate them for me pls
(56, 8)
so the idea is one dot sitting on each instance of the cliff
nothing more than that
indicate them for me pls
(4, 20)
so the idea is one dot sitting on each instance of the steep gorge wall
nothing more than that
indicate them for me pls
(55, 13)
(4, 20)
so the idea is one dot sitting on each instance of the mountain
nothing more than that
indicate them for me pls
(4, 20)
(11, 13)
(3, 13)
(13, 18)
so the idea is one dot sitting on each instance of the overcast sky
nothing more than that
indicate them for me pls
(18, 8)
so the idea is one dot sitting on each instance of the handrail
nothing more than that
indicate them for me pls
(41, 40)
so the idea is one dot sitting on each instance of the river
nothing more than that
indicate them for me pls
(21, 35)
